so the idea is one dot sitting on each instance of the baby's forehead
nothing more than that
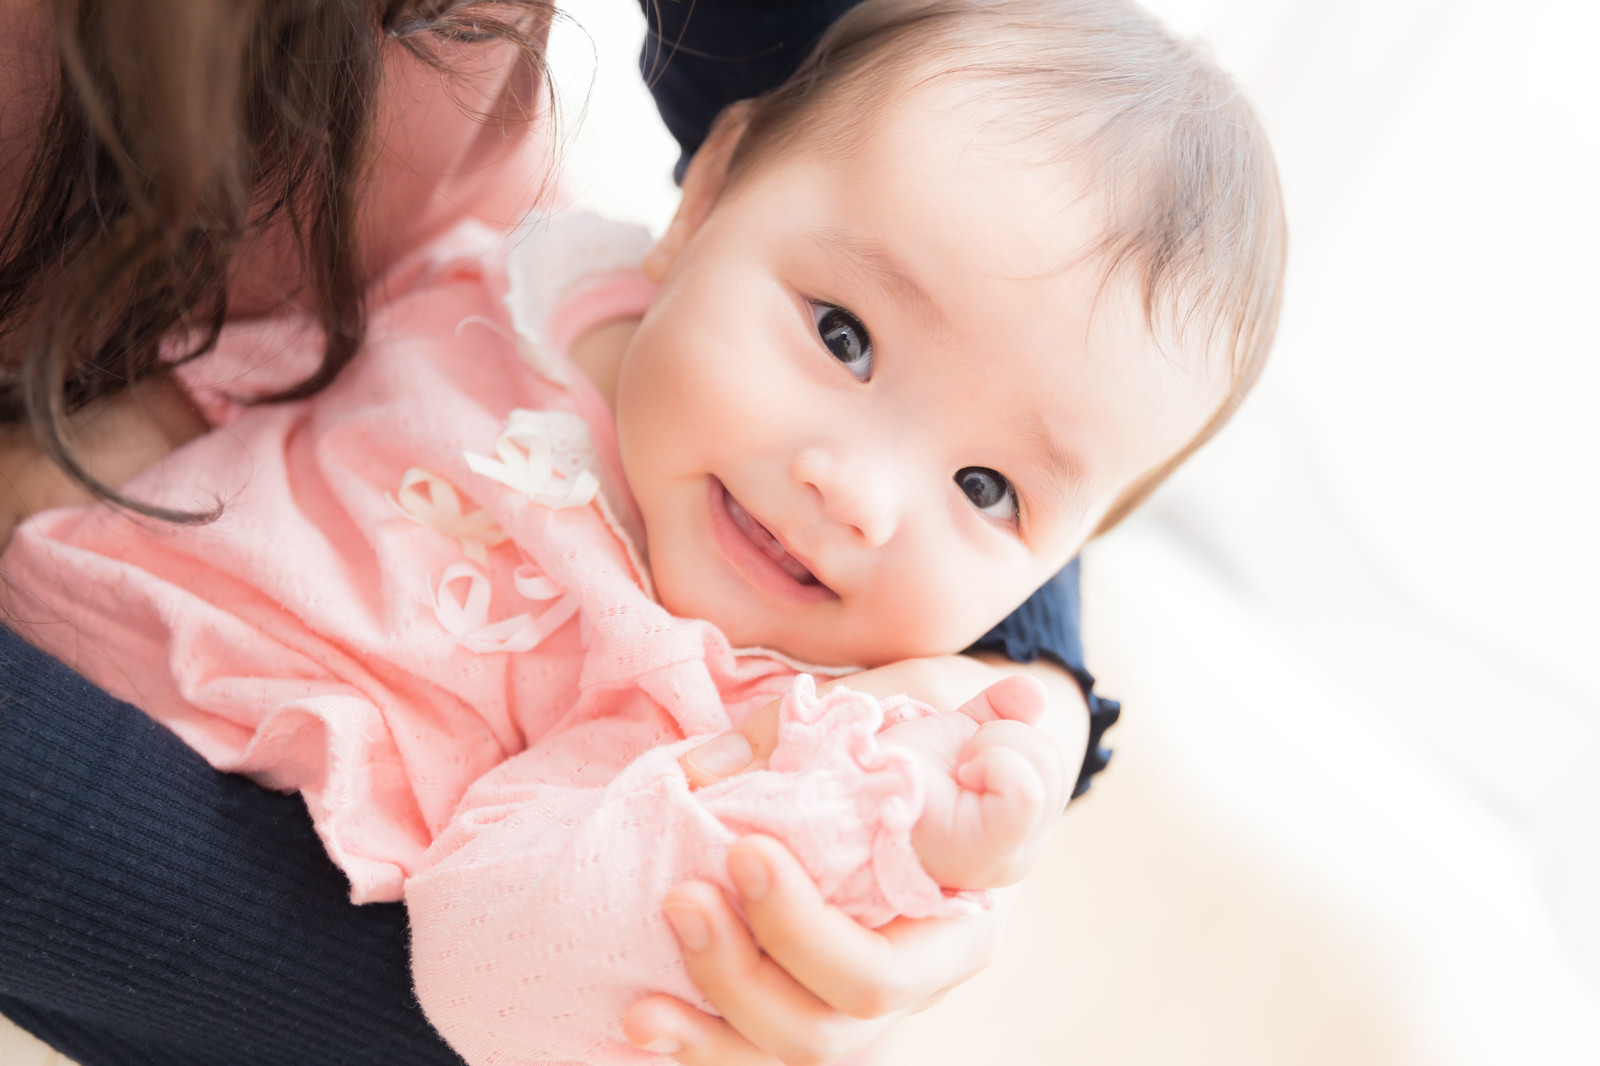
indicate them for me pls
(976, 109)
(926, 186)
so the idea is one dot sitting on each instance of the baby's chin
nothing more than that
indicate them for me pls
(835, 647)
(790, 640)
(808, 635)
(794, 642)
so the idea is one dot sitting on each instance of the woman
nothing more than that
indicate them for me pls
(203, 162)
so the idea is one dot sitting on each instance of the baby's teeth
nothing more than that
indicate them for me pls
(764, 539)
(795, 569)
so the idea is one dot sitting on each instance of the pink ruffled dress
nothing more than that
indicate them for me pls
(422, 607)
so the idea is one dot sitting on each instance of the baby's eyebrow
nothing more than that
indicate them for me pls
(1059, 470)
(880, 267)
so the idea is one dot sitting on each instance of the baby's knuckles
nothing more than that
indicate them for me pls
(1028, 822)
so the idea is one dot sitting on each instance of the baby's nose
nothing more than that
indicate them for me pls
(855, 488)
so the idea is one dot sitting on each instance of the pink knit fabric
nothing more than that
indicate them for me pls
(456, 661)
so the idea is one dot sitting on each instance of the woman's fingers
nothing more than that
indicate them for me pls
(865, 973)
(742, 748)
(671, 1027)
(764, 1008)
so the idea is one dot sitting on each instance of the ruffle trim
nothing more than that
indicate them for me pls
(557, 257)
(833, 739)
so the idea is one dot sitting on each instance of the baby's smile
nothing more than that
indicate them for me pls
(756, 552)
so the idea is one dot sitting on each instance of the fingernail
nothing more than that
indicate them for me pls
(727, 754)
(663, 1045)
(749, 874)
(693, 932)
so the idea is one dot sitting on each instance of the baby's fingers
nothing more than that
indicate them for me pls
(1018, 698)
(1010, 790)
(1013, 785)
(1034, 746)
(1009, 802)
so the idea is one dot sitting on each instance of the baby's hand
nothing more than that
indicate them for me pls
(988, 804)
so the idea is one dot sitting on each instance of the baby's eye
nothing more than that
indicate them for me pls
(845, 338)
(989, 492)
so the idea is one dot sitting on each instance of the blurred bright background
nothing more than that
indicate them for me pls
(1355, 811)
(1354, 815)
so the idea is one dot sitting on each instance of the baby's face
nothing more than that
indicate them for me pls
(876, 403)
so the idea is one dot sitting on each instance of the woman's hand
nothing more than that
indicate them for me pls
(803, 983)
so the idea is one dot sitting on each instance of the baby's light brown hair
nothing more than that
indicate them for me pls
(1191, 197)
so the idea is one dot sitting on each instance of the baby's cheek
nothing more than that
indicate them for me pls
(925, 615)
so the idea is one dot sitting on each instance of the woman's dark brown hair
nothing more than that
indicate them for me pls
(177, 129)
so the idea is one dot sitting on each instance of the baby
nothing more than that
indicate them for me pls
(950, 302)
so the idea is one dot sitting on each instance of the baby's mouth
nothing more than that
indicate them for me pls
(763, 539)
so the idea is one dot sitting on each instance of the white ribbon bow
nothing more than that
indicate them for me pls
(524, 464)
(431, 501)
(465, 616)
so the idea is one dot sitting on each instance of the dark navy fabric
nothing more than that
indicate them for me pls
(154, 912)
(701, 55)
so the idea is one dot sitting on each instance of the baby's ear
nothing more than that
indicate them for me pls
(702, 184)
